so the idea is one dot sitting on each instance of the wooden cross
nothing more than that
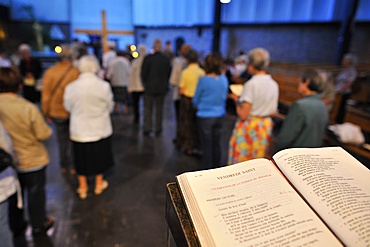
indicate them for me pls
(103, 32)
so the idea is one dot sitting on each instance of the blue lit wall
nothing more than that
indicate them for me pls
(169, 19)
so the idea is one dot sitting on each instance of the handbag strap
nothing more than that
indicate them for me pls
(57, 85)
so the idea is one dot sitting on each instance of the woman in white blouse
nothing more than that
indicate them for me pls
(259, 99)
(89, 100)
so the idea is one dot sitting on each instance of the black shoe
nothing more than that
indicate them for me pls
(49, 222)
(146, 133)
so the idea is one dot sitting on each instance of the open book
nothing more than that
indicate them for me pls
(236, 89)
(304, 197)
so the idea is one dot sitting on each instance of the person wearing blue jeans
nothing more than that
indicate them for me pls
(210, 101)
(210, 133)
(7, 186)
(5, 233)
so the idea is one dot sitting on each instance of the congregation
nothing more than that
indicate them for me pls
(79, 94)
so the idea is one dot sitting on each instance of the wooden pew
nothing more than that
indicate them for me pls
(288, 87)
(288, 81)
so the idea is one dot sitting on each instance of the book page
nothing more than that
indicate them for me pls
(236, 89)
(250, 204)
(336, 185)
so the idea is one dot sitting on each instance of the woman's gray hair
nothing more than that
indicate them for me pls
(259, 58)
(317, 78)
(88, 63)
(351, 58)
(24, 47)
(66, 52)
(143, 50)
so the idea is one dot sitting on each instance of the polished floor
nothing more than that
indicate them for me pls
(131, 212)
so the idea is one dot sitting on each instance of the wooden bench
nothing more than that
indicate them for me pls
(288, 87)
(288, 81)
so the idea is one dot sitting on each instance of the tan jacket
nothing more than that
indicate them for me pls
(26, 127)
(52, 106)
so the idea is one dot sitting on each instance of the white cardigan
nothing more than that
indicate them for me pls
(89, 100)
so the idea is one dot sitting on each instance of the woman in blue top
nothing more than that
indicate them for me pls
(210, 99)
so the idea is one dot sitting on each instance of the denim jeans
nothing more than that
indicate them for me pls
(6, 239)
(210, 133)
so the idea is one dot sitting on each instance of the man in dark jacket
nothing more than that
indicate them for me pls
(155, 73)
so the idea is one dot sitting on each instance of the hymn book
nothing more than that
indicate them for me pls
(236, 89)
(303, 197)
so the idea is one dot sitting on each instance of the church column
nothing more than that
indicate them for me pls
(216, 27)
(346, 30)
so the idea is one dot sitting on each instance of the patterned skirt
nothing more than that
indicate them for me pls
(250, 139)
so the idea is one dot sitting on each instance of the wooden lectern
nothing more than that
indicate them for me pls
(178, 220)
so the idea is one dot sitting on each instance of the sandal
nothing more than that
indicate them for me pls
(101, 187)
(82, 192)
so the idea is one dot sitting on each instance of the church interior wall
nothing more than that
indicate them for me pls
(199, 39)
(360, 42)
(290, 43)
(21, 32)
(286, 43)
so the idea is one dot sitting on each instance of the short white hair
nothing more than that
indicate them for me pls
(259, 58)
(24, 47)
(88, 63)
(142, 49)
(351, 58)
(66, 52)
(111, 44)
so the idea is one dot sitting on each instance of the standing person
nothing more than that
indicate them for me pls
(305, 124)
(89, 100)
(31, 70)
(136, 87)
(27, 129)
(210, 99)
(7, 186)
(119, 76)
(155, 73)
(188, 137)
(343, 84)
(258, 101)
(168, 51)
(55, 79)
(109, 55)
(179, 64)
(327, 94)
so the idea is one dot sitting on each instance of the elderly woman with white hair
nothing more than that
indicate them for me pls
(258, 101)
(89, 100)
